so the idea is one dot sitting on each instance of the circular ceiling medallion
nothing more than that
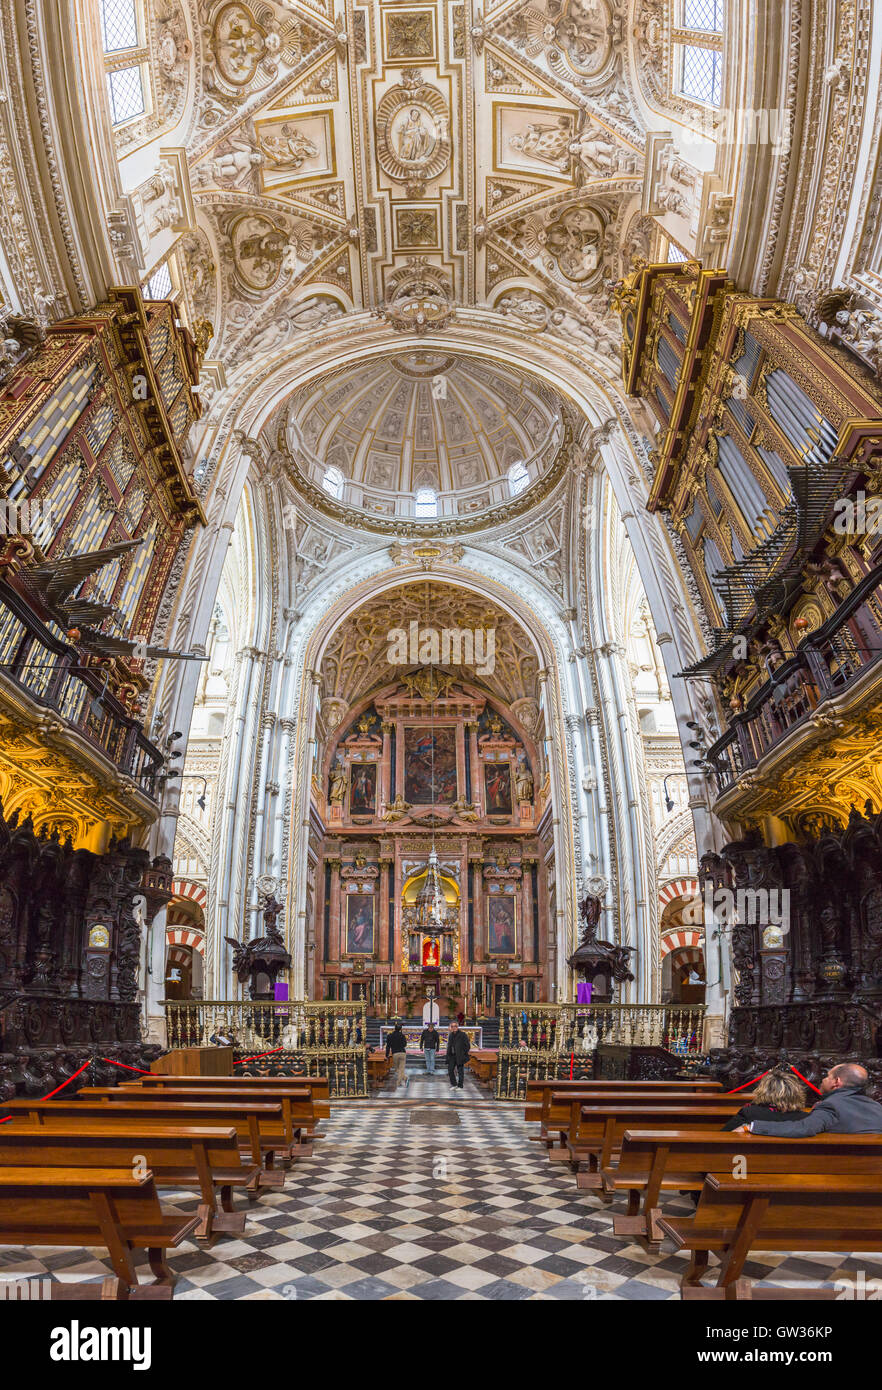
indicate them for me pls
(412, 132)
(238, 42)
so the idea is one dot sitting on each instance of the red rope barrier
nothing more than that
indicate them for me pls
(126, 1065)
(747, 1083)
(765, 1073)
(572, 1061)
(257, 1056)
(806, 1080)
(67, 1082)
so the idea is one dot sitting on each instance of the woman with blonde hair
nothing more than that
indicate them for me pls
(779, 1095)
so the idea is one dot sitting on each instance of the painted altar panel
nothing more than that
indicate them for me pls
(429, 753)
(502, 924)
(363, 789)
(360, 924)
(497, 789)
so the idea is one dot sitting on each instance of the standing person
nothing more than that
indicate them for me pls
(430, 1041)
(396, 1048)
(458, 1048)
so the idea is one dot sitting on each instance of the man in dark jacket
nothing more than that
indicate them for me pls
(430, 1041)
(458, 1049)
(845, 1109)
(396, 1048)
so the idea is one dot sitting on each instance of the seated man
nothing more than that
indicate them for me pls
(845, 1108)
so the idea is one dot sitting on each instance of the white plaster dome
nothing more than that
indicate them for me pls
(470, 432)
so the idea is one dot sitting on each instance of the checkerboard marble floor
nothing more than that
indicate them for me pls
(426, 1193)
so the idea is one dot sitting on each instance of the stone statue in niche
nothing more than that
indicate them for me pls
(337, 784)
(523, 782)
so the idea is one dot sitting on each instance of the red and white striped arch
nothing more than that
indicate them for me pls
(682, 939)
(679, 888)
(186, 888)
(185, 936)
(176, 955)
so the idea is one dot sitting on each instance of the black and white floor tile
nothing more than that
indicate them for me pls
(428, 1193)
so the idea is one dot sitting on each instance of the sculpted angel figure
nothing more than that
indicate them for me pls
(230, 165)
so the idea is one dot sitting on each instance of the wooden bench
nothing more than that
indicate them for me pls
(378, 1066)
(298, 1114)
(536, 1089)
(598, 1132)
(768, 1212)
(652, 1162)
(84, 1207)
(249, 1118)
(208, 1159)
(484, 1062)
(560, 1109)
(317, 1085)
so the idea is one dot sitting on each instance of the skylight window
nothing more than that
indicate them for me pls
(701, 74)
(126, 94)
(159, 286)
(706, 15)
(332, 483)
(426, 504)
(119, 25)
(518, 478)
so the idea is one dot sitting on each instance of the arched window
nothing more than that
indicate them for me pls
(518, 478)
(426, 504)
(125, 56)
(332, 483)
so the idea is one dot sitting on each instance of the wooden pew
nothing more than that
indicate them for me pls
(767, 1212)
(652, 1162)
(84, 1207)
(599, 1130)
(189, 1156)
(298, 1114)
(560, 1109)
(249, 1118)
(536, 1089)
(317, 1085)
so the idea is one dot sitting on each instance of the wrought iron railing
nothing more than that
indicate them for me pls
(293, 1038)
(49, 671)
(823, 665)
(552, 1041)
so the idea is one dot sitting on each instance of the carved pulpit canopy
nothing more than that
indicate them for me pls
(263, 958)
(594, 956)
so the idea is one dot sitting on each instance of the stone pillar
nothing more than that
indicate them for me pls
(335, 930)
(385, 926)
(386, 770)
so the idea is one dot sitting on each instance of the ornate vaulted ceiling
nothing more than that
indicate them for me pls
(356, 658)
(408, 159)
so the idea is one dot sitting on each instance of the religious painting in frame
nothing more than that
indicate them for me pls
(429, 757)
(497, 789)
(502, 924)
(363, 789)
(359, 924)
